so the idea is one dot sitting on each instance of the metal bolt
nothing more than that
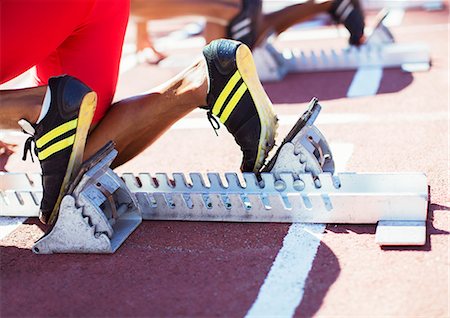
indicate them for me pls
(280, 185)
(299, 185)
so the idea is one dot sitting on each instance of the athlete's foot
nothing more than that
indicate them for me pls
(238, 99)
(349, 13)
(59, 138)
(243, 27)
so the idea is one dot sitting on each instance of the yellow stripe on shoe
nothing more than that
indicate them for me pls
(58, 146)
(225, 92)
(56, 132)
(233, 102)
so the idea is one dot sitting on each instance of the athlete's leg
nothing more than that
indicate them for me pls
(20, 104)
(234, 95)
(283, 19)
(347, 12)
(145, 45)
(219, 13)
(89, 48)
(80, 44)
(92, 52)
(135, 123)
(31, 31)
(165, 9)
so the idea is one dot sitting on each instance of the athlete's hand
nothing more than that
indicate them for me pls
(6, 150)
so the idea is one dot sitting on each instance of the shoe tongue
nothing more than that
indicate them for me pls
(26, 126)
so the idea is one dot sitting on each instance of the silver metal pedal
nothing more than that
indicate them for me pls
(304, 149)
(97, 214)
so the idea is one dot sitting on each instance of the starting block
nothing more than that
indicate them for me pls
(380, 50)
(297, 185)
(96, 215)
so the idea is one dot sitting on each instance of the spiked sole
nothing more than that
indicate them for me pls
(85, 116)
(269, 122)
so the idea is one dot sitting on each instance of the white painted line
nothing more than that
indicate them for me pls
(320, 34)
(342, 152)
(395, 17)
(283, 288)
(366, 82)
(284, 120)
(327, 119)
(9, 224)
(289, 120)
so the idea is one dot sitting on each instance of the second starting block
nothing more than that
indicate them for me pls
(380, 50)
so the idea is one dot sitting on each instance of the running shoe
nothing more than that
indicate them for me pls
(242, 27)
(349, 13)
(60, 138)
(237, 98)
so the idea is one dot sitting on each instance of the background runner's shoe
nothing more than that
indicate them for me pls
(60, 138)
(238, 99)
(349, 13)
(243, 26)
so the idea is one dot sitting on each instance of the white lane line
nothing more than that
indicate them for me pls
(366, 82)
(283, 288)
(395, 17)
(326, 119)
(9, 224)
(289, 120)
(284, 120)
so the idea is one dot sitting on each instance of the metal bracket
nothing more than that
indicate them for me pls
(380, 50)
(97, 214)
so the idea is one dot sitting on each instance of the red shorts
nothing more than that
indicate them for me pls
(82, 38)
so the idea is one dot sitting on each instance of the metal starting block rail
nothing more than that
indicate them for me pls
(380, 50)
(102, 209)
(403, 4)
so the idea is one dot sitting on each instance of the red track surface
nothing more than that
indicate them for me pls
(216, 269)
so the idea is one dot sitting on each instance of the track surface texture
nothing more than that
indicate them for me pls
(193, 269)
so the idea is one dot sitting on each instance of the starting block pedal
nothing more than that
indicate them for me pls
(96, 215)
(297, 185)
(380, 50)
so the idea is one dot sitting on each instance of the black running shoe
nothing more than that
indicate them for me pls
(243, 26)
(60, 138)
(349, 13)
(238, 99)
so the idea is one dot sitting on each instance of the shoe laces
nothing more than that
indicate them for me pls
(28, 129)
(213, 121)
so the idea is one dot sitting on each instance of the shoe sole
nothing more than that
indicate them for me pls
(85, 115)
(264, 107)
